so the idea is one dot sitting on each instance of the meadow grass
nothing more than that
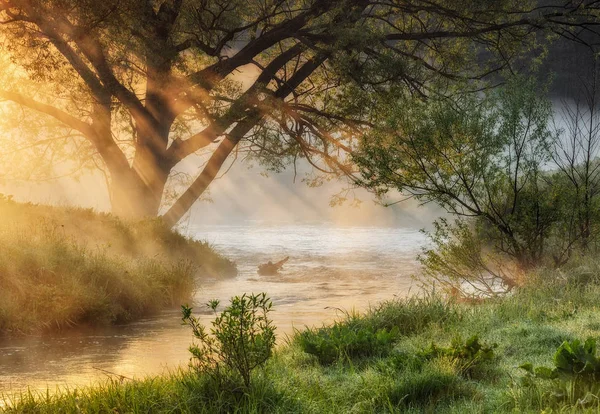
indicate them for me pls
(62, 267)
(527, 326)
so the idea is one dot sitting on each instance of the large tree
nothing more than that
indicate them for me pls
(147, 85)
(480, 159)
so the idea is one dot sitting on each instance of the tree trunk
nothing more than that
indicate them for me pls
(130, 199)
(214, 164)
(137, 191)
(137, 194)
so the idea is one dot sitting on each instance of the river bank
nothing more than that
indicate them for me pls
(330, 268)
(67, 267)
(407, 376)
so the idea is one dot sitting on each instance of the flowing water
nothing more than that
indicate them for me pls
(330, 268)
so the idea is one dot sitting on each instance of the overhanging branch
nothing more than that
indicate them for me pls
(58, 114)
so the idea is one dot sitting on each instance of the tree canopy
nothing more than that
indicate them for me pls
(138, 88)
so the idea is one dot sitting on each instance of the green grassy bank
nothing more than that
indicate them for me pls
(384, 361)
(62, 267)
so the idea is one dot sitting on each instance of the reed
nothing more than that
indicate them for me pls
(62, 267)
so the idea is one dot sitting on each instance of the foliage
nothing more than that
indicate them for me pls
(486, 162)
(530, 324)
(374, 333)
(571, 359)
(179, 391)
(460, 261)
(345, 341)
(241, 338)
(574, 376)
(468, 355)
(480, 158)
(576, 158)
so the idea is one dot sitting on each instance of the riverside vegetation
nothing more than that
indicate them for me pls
(426, 354)
(513, 328)
(61, 267)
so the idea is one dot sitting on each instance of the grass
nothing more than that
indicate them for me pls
(367, 376)
(62, 267)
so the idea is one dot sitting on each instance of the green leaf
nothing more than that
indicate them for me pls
(527, 366)
(545, 373)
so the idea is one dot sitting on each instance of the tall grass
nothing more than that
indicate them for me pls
(62, 267)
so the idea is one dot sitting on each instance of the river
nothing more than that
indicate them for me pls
(330, 268)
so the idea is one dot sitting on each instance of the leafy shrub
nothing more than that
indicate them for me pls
(346, 341)
(574, 377)
(572, 359)
(469, 354)
(241, 339)
(423, 388)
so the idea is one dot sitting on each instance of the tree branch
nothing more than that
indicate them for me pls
(182, 148)
(58, 114)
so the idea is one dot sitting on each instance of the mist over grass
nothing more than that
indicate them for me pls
(63, 267)
(397, 373)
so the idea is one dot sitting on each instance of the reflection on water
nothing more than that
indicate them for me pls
(330, 268)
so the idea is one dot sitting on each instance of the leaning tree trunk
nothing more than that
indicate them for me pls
(214, 164)
(195, 190)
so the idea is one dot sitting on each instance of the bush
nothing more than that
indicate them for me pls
(241, 339)
(522, 194)
(468, 355)
(346, 340)
(573, 379)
